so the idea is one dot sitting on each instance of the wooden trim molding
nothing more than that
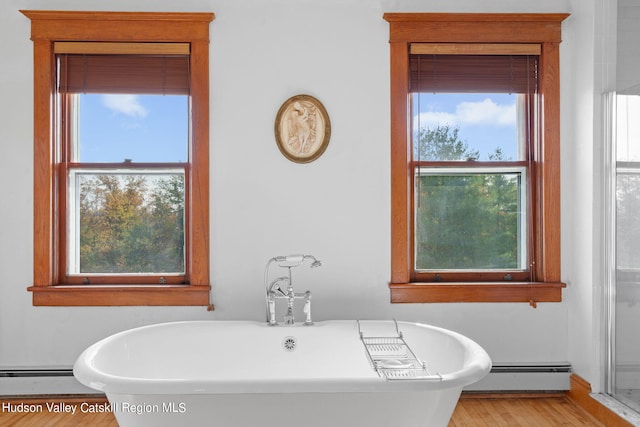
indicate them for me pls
(118, 26)
(475, 27)
(580, 394)
(544, 275)
(121, 48)
(120, 295)
(532, 293)
(475, 49)
(109, 29)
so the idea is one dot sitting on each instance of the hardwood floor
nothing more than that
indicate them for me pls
(520, 411)
(472, 411)
(48, 412)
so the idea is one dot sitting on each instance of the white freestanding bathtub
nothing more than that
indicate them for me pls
(243, 373)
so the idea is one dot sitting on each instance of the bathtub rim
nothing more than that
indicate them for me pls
(476, 366)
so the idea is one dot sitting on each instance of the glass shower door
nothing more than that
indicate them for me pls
(626, 308)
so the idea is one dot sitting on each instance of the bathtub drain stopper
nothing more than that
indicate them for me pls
(289, 343)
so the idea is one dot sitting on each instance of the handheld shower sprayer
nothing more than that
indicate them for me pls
(289, 261)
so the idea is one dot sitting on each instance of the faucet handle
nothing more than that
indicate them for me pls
(277, 289)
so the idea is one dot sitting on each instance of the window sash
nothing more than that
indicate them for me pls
(525, 119)
(71, 106)
(75, 175)
(520, 172)
(627, 202)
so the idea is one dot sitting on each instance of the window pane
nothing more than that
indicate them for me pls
(627, 182)
(113, 128)
(628, 226)
(463, 126)
(126, 222)
(470, 220)
(628, 128)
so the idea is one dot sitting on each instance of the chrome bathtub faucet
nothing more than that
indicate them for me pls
(274, 289)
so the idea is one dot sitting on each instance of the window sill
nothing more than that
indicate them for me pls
(121, 295)
(530, 292)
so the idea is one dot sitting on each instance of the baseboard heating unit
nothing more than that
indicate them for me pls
(503, 377)
(525, 377)
(40, 381)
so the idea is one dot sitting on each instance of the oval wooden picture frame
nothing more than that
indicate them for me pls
(302, 128)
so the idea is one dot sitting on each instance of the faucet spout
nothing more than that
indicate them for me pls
(288, 318)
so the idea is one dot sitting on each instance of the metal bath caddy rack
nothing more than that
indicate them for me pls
(393, 359)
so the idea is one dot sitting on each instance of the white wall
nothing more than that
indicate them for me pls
(337, 208)
(581, 182)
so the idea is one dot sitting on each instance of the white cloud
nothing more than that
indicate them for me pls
(485, 112)
(125, 104)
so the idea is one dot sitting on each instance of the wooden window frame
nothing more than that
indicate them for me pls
(542, 29)
(47, 27)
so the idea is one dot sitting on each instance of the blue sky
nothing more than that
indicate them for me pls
(486, 121)
(143, 128)
(154, 128)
